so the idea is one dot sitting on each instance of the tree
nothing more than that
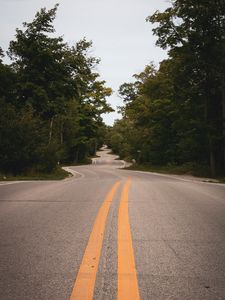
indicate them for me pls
(56, 89)
(151, 114)
(194, 32)
(21, 135)
(7, 79)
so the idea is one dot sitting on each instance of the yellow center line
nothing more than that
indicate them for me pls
(127, 277)
(85, 282)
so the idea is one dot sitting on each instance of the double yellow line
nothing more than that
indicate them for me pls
(127, 284)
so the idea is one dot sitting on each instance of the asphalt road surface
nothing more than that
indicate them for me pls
(108, 233)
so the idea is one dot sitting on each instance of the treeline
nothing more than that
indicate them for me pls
(175, 115)
(51, 100)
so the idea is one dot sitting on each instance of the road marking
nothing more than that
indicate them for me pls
(15, 182)
(127, 277)
(85, 282)
(193, 180)
(68, 169)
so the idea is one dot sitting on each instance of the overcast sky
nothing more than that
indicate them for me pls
(121, 37)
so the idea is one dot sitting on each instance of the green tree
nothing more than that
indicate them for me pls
(7, 79)
(21, 139)
(194, 32)
(56, 88)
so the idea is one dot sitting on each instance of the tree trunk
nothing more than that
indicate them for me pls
(76, 156)
(96, 147)
(61, 133)
(212, 161)
(223, 108)
(50, 131)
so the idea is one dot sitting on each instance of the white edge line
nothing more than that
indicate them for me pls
(2, 183)
(73, 172)
(176, 177)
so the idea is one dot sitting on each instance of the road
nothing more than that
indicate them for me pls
(109, 233)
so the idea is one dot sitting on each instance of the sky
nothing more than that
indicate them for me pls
(121, 37)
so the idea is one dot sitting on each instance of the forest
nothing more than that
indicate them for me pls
(52, 97)
(51, 100)
(174, 115)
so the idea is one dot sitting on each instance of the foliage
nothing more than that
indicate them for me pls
(51, 99)
(176, 113)
(194, 32)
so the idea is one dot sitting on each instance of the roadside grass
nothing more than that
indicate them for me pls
(186, 169)
(57, 174)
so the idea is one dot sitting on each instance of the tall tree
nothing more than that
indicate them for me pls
(194, 32)
(56, 88)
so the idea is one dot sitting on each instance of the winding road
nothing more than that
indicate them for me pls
(110, 233)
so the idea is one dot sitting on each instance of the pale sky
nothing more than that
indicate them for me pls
(121, 36)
